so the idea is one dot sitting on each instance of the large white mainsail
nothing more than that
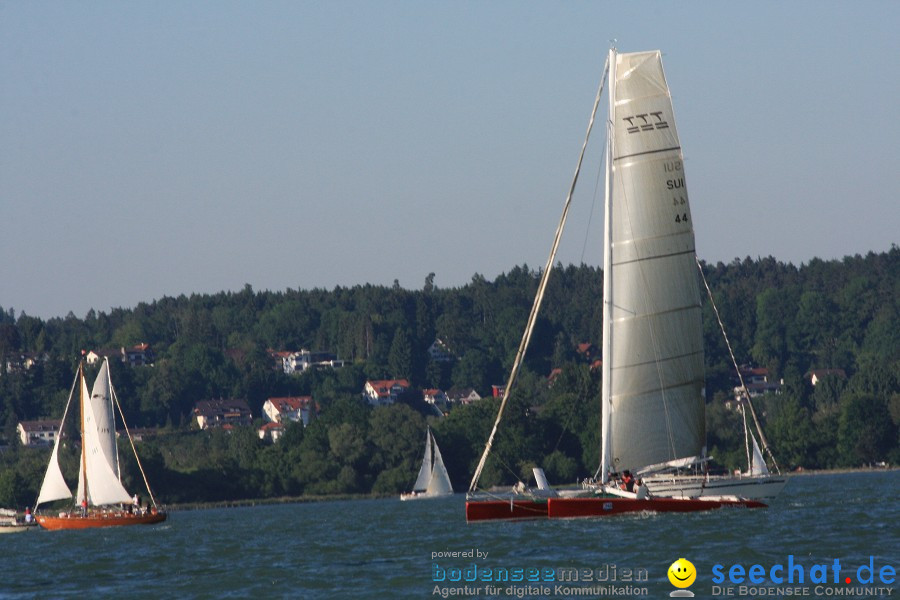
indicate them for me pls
(102, 405)
(653, 406)
(103, 485)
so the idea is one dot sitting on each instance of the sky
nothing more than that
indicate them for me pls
(152, 149)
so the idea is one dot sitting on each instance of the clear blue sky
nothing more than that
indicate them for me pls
(151, 149)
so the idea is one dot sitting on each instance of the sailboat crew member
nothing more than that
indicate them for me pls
(627, 481)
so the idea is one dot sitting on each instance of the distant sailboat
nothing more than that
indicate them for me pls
(433, 480)
(10, 522)
(100, 500)
(652, 402)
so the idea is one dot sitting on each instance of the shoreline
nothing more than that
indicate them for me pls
(248, 502)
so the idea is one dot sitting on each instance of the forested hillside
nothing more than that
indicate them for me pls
(823, 315)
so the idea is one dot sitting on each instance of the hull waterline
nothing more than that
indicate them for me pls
(500, 510)
(94, 521)
(423, 496)
(570, 508)
(15, 528)
(758, 488)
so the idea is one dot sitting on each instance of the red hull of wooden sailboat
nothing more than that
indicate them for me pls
(492, 510)
(569, 508)
(113, 519)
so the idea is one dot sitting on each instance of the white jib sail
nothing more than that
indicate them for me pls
(655, 404)
(54, 487)
(425, 471)
(101, 403)
(439, 484)
(757, 463)
(103, 485)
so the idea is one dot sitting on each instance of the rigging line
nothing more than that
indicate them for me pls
(59, 433)
(133, 449)
(508, 468)
(600, 171)
(539, 297)
(746, 439)
(112, 413)
(744, 391)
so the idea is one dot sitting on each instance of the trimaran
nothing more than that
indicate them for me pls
(653, 409)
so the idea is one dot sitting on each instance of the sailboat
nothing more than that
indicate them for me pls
(433, 480)
(653, 410)
(11, 522)
(100, 499)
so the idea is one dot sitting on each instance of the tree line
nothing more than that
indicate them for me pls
(840, 314)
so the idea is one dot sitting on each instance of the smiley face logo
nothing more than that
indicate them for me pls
(682, 573)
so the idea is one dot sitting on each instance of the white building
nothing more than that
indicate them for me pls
(37, 433)
(382, 392)
(290, 408)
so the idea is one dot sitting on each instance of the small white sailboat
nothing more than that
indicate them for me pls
(433, 480)
(100, 500)
(653, 408)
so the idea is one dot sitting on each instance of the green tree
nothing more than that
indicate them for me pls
(400, 358)
(866, 432)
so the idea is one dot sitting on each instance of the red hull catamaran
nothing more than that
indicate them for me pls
(653, 405)
(498, 510)
(572, 508)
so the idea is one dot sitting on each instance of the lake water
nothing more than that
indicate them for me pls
(385, 549)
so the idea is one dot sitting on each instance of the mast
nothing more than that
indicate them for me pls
(606, 370)
(83, 444)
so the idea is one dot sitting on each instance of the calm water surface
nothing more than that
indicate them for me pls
(383, 548)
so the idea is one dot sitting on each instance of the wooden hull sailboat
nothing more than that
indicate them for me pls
(100, 498)
(74, 520)
(653, 406)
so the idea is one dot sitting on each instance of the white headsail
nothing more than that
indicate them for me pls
(758, 465)
(439, 484)
(54, 487)
(653, 346)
